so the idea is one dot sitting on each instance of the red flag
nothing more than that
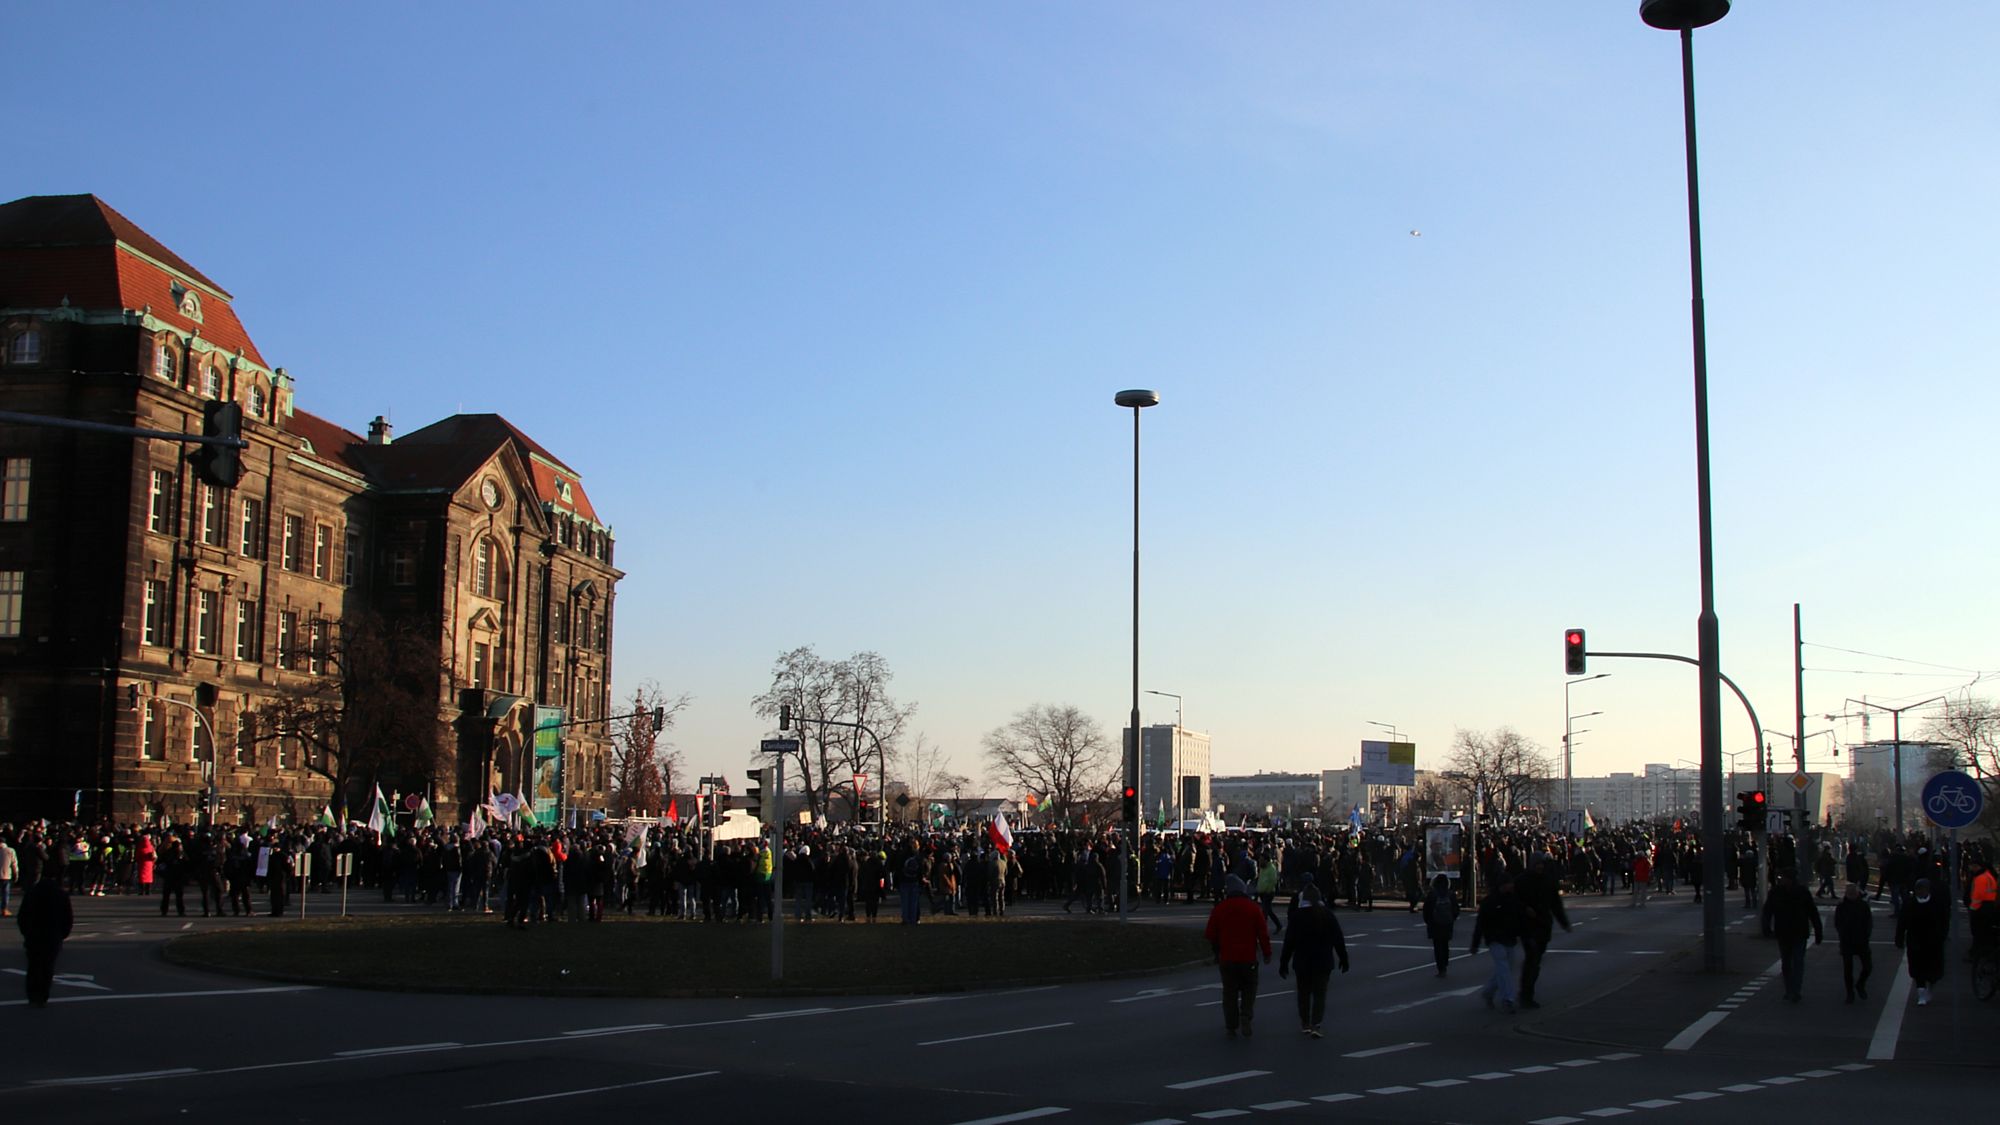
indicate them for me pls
(673, 810)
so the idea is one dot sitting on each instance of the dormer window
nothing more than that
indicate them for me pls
(562, 491)
(190, 305)
(26, 346)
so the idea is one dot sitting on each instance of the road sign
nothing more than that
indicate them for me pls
(1952, 799)
(1800, 781)
(778, 746)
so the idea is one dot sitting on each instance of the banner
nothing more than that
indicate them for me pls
(1388, 763)
(548, 789)
(1444, 849)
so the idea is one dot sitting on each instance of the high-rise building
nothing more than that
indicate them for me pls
(404, 612)
(1173, 770)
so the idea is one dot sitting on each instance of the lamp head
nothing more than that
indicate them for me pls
(1682, 15)
(1137, 399)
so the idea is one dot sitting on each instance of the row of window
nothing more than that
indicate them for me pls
(208, 377)
(24, 345)
(288, 752)
(302, 642)
(581, 536)
(210, 516)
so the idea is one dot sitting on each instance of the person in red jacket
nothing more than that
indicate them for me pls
(1237, 933)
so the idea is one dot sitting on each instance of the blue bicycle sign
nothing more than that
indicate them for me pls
(1952, 799)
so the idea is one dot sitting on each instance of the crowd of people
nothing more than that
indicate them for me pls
(531, 875)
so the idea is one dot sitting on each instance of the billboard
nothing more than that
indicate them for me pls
(548, 789)
(1388, 763)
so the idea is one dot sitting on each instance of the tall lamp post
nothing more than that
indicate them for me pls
(1567, 773)
(1897, 764)
(1684, 16)
(1137, 400)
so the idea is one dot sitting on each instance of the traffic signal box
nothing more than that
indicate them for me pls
(220, 465)
(1131, 804)
(1573, 653)
(753, 800)
(1751, 810)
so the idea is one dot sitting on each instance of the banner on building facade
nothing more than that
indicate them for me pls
(548, 765)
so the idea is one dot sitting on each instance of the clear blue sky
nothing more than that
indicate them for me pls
(828, 304)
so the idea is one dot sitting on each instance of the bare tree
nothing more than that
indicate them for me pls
(1969, 731)
(373, 713)
(1056, 752)
(919, 767)
(643, 762)
(824, 696)
(1514, 770)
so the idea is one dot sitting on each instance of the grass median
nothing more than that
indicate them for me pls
(660, 957)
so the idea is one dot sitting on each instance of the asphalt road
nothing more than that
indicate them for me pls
(1630, 1026)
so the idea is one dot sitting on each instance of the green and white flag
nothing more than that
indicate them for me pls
(382, 821)
(325, 816)
(424, 817)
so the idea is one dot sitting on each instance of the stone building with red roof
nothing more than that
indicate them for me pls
(150, 621)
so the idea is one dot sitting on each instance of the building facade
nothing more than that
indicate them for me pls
(1173, 770)
(165, 640)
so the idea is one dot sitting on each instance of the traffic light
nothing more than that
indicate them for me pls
(659, 719)
(205, 695)
(1751, 809)
(218, 464)
(131, 697)
(1573, 652)
(1131, 801)
(753, 799)
(784, 716)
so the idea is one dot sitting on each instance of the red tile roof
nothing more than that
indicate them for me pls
(330, 443)
(76, 248)
(487, 432)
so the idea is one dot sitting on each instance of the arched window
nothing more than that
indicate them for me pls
(163, 361)
(211, 381)
(256, 400)
(482, 568)
(26, 346)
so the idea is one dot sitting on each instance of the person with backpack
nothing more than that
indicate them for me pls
(1440, 919)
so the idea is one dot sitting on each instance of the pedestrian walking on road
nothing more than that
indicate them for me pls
(1790, 913)
(1855, 924)
(45, 920)
(1920, 931)
(1236, 932)
(1440, 919)
(1313, 945)
(1499, 924)
(1541, 895)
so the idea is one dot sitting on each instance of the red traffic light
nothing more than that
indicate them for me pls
(1757, 798)
(1574, 637)
(1130, 792)
(1573, 652)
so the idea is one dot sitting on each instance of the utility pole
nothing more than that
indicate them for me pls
(1897, 714)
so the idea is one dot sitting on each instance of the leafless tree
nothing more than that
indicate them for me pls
(1969, 731)
(918, 766)
(375, 710)
(824, 696)
(643, 762)
(1057, 753)
(1514, 770)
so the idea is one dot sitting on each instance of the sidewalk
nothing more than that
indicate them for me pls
(1674, 1004)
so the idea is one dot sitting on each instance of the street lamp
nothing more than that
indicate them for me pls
(1684, 16)
(1897, 762)
(1566, 734)
(1173, 754)
(1137, 400)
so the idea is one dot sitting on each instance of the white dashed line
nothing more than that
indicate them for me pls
(1533, 1069)
(1819, 1074)
(1385, 1091)
(1337, 1097)
(1198, 1083)
(1024, 1115)
(1741, 1088)
(1782, 1080)
(1698, 1096)
(1607, 1111)
(1656, 1103)
(593, 1090)
(996, 1034)
(1491, 1075)
(1272, 1107)
(1441, 1083)
(409, 1049)
(1215, 1114)
(1389, 1050)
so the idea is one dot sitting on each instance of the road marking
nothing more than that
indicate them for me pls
(1428, 1000)
(1851, 1067)
(1619, 1056)
(1157, 993)
(1692, 1033)
(1578, 1062)
(1555, 1121)
(1533, 1069)
(1607, 1111)
(1337, 1097)
(1275, 1106)
(1214, 1114)
(1548, 951)
(74, 980)
(1491, 1075)
(997, 1034)
(594, 1090)
(1197, 1083)
(168, 995)
(1260, 996)
(1426, 965)
(1783, 1080)
(1698, 1096)
(1389, 1050)
(1656, 1103)
(622, 1028)
(1889, 1026)
(1385, 1091)
(1741, 1088)
(788, 1014)
(1024, 1115)
(187, 925)
(1441, 1083)
(407, 1049)
(1819, 1074)
(135, 1076)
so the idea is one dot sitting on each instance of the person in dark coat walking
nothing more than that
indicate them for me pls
(1499, 924)
(45, 920)
(1790, 913)
(1542, 897)
(1314, 944)
(1920, 929)
(1855, 925)
(1440, 919)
